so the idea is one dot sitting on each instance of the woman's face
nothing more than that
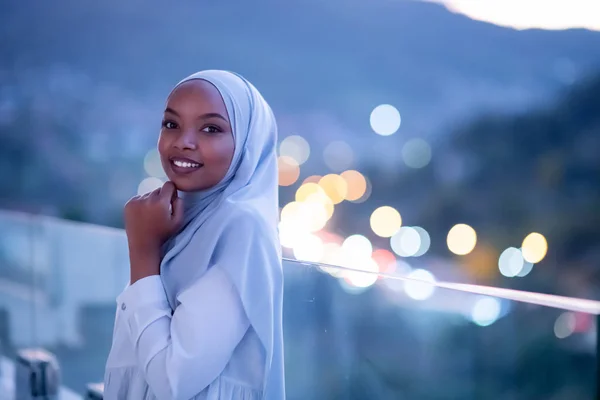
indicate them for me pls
(196, 142)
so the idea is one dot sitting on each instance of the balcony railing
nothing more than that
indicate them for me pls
(349, 334)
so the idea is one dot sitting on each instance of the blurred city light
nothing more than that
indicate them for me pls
(565, 324)
(312, 179)
(461, 239)
(385, 221)
(385, 120)
(511, 263)
(534, 247)
(357, 184)
(289, 170)
(295, 147)
(406, 242)
(486, 311)
(420, 290)
(335, 187)
(425, 241)
(416, 153)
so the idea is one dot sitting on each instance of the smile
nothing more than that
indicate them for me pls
(185, 164)
(182, 166)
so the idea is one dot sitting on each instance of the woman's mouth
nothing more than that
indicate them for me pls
(184, 166)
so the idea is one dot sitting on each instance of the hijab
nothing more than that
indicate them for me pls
(233, 225)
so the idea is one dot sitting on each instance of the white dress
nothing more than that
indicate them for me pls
(207, 350)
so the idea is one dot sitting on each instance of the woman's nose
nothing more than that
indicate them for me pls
(187, 140)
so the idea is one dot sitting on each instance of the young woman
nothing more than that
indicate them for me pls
(201, 316)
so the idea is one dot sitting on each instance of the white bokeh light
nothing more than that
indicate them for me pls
(565, 325)
(486, 311)
(289, 234)
(385, 120)
(420, 290)
(295, 147)
(357, 247)
(511, 262)
(425, 241)
(361, 279)
(406, 242)
(309, 247)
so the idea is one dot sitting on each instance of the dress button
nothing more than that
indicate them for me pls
(123, 306)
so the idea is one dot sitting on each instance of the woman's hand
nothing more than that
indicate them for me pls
(150, 219)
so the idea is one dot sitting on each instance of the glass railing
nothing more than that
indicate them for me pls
(348, 334)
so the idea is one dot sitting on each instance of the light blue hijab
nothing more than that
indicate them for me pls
(234, 224)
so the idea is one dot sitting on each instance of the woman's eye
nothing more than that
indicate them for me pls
(169, 124)
(211, 129)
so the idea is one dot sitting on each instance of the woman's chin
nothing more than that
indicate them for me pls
(185, 186)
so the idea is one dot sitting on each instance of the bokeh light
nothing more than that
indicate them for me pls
(295, 147)
(416, 153)
(406, 242)
(306, 217)
(385, 221)
(152, 164)
(534, 247)
(357, 247)
(356, 254)
(289, 170)
(309, 248)
(148, 185)
(367, 194)
(385, 120)
(288, 234)
(511, 262)
(486, 311)
(312, 179)
(425, 241)
(565, 324)
(333, 256)
(335, 187)
(357, 184)
(527, 268)
(386, 260)
(307, 189)
(338, 156)
(420, 290)
(461, 239)
(290, 211)
(361, 279)
(313, 193)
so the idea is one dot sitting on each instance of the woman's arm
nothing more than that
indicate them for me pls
(182, 353)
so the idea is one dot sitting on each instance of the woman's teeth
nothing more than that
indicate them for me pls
(184, 164)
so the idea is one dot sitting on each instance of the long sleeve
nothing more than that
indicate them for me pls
(182, 353)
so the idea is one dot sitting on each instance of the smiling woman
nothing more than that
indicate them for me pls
(201, 317)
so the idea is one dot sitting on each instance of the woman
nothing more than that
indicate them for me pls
(201, 316)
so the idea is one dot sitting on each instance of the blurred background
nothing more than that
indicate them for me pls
(453, 140)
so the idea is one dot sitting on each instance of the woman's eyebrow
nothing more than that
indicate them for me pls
(212, 115)
(203, 116)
